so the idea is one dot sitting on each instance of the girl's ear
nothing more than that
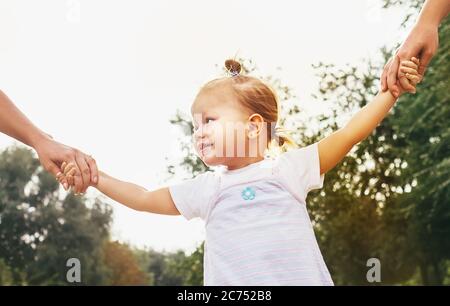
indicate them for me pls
(255, 125)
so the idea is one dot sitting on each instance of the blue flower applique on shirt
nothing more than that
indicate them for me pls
(248, 193)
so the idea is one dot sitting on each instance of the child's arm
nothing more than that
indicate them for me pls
(158, 201)
(333, 148)
(136, 197)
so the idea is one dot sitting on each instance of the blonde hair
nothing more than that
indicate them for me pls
(260, 98)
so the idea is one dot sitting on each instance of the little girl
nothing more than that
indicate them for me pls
(258, 231)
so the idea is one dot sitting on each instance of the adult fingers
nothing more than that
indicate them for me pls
(94, 169)
(392, 77)
(77, 179)
(384, 75)
(85, 171)
(425, 59)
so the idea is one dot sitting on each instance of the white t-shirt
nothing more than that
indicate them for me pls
(258, 231)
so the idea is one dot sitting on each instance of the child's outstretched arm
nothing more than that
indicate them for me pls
(158, 201)
(333, 148)
(131, 195)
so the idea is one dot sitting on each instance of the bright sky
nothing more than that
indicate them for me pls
(106, 76)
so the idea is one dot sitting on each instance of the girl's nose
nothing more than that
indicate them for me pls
(199, 133)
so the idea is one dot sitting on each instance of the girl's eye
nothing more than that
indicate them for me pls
(208, 119)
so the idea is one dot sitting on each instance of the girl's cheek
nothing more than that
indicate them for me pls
(219, 141)
(212, 128)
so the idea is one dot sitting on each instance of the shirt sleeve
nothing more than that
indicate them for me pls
(300, 170)
(192, 197)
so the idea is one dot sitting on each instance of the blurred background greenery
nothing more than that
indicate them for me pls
(388, 199)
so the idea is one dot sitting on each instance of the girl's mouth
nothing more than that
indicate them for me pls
(205, 148)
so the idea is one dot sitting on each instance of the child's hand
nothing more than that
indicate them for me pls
(410, 70)
(68, 172)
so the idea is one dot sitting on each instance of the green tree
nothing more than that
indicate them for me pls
(161, 266)
(401, 214)
(123, 265)
(40, 230)
(5, 274)
(191, 267)
(423, 126)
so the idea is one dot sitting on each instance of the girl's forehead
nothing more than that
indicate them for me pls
(209, 100)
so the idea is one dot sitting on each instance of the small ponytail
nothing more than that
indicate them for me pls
(233, 67)
(280, 141)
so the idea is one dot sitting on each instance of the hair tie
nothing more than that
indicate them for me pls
(233, 67)
(234, 73)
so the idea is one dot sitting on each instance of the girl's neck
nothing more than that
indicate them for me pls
(241, 163)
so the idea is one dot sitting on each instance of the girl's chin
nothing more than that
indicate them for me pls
(211, 160)
(207, 153)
